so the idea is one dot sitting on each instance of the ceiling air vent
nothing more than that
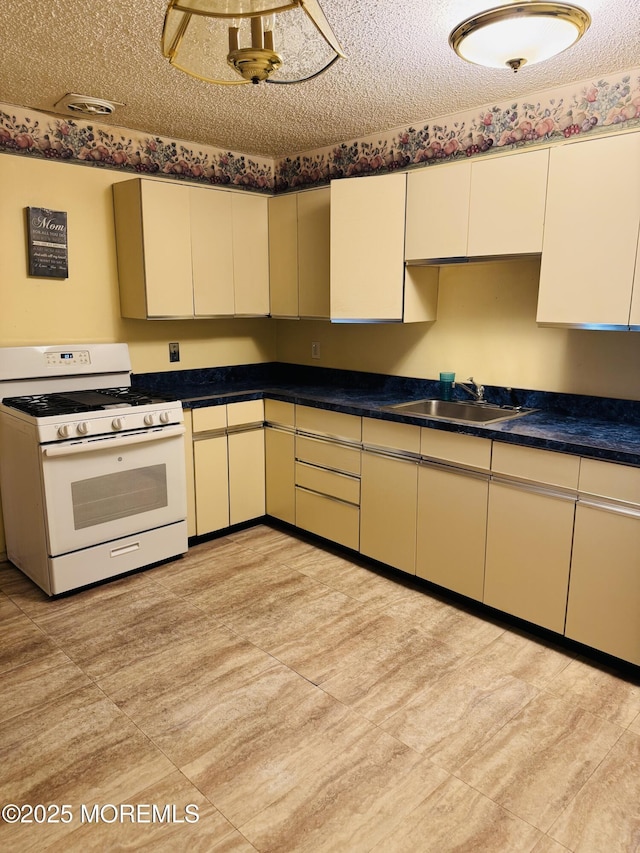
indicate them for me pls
(85, 105)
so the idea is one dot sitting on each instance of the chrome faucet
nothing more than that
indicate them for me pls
(477, 392)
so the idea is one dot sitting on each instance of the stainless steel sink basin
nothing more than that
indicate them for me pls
(460, 411)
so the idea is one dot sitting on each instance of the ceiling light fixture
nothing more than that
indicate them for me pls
(233, 42)
(518, 33)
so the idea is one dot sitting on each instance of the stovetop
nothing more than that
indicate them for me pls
(82, 402)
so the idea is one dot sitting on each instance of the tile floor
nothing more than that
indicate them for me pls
(303, 702)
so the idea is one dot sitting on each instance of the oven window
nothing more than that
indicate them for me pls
(113, 496)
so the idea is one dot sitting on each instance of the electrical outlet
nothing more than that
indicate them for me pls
(174, 352)
(315, 349)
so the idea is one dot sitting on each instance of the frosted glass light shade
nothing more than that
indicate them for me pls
(195, 39)
(519, 33)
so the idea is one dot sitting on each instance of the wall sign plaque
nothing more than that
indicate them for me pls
(47, 239)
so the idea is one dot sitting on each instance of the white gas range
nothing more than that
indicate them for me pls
(92, 471)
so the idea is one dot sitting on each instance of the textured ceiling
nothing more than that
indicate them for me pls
(399, 70)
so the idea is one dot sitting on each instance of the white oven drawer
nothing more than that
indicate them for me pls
(99, 490)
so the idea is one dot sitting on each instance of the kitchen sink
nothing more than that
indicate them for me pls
(460, 411)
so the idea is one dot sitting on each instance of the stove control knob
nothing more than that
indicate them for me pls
(165, 417)
(82, 428)
(64, 431)
(148, 419)
(117, 423)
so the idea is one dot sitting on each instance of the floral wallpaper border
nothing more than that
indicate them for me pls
(588, 107)
(37, 134)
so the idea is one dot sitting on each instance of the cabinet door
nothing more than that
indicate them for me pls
(314, 252)
(246, 475)
(212, 484)
(153, 235)
(438, 212)
(283, 255)
(250, 223)
(591, 233)
(604, 593)
(388, 505)
(212, 252)
(452, 523)
(529, 537)
(367, 248)
(506, 212)
(280, 474)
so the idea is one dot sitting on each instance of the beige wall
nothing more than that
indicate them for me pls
(485, 328)
(85, 307)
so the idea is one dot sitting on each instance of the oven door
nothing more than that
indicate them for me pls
(101, 489)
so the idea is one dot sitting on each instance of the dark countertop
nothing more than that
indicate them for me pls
(595, 427)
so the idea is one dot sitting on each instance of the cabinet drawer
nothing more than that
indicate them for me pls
(331, 483)
(376, 433)
(540, 466)
(326, 454)
(247, 412)
(609, 480)
(335, 424)
(466, 450)
(328, 517)
(209, 418)
(279, 412)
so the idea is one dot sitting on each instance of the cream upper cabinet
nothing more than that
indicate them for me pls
(250, 226)
(299, 254)
(153, 236)
(507, 205)
(283, 255)
(211, 253)
(190, 251)
(314, 252)
(438, 212)
(368, 281)
(589, 253)
(475, 209)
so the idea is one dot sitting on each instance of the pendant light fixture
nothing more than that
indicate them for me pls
(232, 42)
(516, 34)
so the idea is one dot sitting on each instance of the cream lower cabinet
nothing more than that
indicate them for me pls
(211, 469)
(389, 491)
(532, 498)
(327, 474)
(604, 592)
(229, 465)
(453, 486)
(279, 441)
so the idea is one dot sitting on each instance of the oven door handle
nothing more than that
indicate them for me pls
(90, 445)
